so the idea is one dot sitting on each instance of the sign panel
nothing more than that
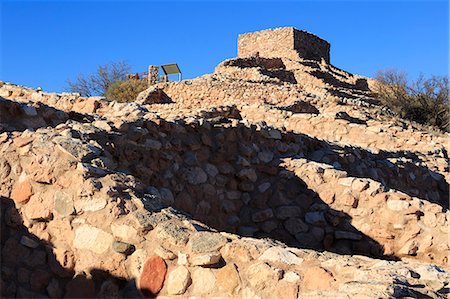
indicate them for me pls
(170, 69)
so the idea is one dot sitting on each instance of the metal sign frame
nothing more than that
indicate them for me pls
(172, 69)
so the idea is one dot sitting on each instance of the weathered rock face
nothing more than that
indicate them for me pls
(177, 198)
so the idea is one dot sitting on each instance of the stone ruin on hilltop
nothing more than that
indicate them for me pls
(287, 42)
(278, 65)
(198, 189)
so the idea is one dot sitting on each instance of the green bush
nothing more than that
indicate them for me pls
(125, 91)
(424, 101)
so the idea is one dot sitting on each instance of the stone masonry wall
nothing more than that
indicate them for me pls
(284, 42)
(165, 197)
(83, 194)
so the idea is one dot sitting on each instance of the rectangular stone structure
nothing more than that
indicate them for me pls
(287, 42)
(153, 74)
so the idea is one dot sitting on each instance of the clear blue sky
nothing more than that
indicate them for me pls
(46, 43)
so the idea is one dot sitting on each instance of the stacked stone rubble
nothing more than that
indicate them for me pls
(69, 219)
(153, 74)
(200, 193)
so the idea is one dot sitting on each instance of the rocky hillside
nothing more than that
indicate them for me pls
(270, 178)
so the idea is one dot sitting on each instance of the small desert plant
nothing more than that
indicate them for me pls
(126, 90)
(98, 83)
(425, 100)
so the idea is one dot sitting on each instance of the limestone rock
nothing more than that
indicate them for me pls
(279, 254)
(261, 275)
(91, 238)
(135, 262)
(228, 279)
(397, 205)
(29, 110)
(291, 277)
(5, 169)
(317, 279)
(359, 185)
(205, 259)
(125, 232)
(410, 248)
(164, 253)
(203, 281)
(178, 280)
(90, 204)
(182, 258)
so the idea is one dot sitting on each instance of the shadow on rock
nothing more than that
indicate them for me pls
(232, 179)
(403, 170)
(31, 269)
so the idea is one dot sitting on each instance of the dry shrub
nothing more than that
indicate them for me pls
(97, 83)
(125, 91)
(424, 101)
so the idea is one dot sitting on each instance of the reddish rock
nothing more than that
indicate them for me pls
(153, 275)
(22, 192)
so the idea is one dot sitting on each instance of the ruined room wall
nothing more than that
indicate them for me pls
(283, 42)
(310, 46)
